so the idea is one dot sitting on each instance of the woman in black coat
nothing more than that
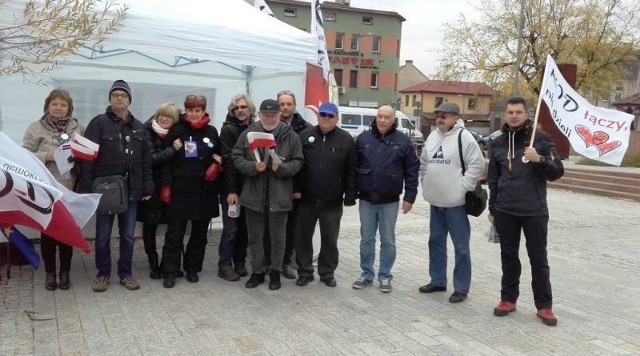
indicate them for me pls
(151, 212)
(190, 188)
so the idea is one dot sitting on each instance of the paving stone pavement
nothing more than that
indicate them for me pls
(594, 259)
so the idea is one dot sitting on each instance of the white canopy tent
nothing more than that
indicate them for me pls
(165, 50)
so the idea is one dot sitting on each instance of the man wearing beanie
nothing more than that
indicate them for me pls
(125, 150)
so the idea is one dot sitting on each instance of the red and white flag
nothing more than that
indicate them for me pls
(84, 148)
(317, 77)
(260, 140)
(30, 196)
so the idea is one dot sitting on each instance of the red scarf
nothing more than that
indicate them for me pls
(197, 125)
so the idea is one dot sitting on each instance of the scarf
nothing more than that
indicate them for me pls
(162, 133)
(57, 124)
(197, 125)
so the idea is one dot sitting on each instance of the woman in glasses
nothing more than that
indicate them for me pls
(151, 212)
(190, 188)
(43, 137)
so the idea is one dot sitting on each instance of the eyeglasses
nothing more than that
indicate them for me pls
(240, 107)
(444, 116)
(196, 97)
(331, 116)
(119, 95)
(285, 92)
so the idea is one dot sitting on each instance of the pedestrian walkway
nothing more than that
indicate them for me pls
(593, 254)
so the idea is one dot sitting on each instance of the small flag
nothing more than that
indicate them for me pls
(260, 140)
(21, 242)
(84, 148)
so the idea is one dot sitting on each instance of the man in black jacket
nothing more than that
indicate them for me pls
(233, 241)
(125, 150)
(518, 175)
(326, 181)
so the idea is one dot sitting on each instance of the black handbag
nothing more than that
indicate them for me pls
(115, 194)
(475, 200)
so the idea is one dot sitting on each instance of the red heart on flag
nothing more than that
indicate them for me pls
(608, 147)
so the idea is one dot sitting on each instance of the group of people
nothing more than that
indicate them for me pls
(274, 178)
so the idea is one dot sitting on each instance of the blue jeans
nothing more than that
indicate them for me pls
(126, 228)
(373, 216)
(455, 222)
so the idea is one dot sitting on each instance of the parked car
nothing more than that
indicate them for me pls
(488, 139)
(480, 140)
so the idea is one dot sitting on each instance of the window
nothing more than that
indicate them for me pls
(413, 100)
(330, 16)
(439, 101)
(376, 44)
(374, 80)
(353, 79)
(471, 104)
(406, 100)
(337, 73)
(351, 119)
(355, 41)
(367, 20)
(290, 12)
(367, 120)
(339, 40)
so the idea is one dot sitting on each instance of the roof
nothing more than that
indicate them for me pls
(330, 5)
(442, 86)
(629, 100)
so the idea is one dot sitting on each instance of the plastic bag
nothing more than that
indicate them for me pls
(492, 234)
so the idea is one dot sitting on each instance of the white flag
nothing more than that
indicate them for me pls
(318, 30)
(594, 132)
(262, 6)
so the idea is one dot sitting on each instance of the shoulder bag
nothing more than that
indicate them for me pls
(475, 200)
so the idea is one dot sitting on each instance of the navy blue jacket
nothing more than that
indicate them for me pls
(386, 163)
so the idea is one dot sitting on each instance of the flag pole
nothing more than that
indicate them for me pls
(537, 114)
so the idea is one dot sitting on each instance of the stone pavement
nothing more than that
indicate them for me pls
(594, 259)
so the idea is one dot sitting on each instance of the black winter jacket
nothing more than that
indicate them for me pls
(192, 197)
(519, 188)
(298, 124)
(231, 130)
(125, 148)
(328, 175)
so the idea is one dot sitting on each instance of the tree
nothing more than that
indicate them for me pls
(45, 31)
(601, 36)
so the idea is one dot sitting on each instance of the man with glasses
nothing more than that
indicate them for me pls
(387, 162)
(233, 241)
(444, 186)
(289, 115)
(125, 150)
(326, 181)
(267, 189)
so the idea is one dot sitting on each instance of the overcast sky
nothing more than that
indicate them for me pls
(422, 30)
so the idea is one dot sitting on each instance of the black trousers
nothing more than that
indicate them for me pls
(234, 239)
(535, 232)
(329, 230)
(174, 244)
(289, 245)
(149, 238)
(48, 249)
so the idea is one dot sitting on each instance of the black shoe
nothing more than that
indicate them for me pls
(255, 280)
(180, 274)
(274, 280)
(329, 281)
(169, 282)
(240, 269)
(154, 269)
(65, 284)
(457, 297)
(304, 280)
(228, 274)
(288, 272)
(430, 288)
(192, 277)
(50, 282)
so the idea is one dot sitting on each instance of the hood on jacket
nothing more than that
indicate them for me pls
(376, 132)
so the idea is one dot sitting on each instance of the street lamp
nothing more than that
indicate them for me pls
(516, 78)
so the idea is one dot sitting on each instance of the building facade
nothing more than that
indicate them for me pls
(363, 46)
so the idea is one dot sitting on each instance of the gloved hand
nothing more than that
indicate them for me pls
(349, 202)
(165, 194)
(212, 172)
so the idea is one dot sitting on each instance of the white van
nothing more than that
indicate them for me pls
(355, 120)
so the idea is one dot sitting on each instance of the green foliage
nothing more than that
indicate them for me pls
(630, 160)
(32, 41)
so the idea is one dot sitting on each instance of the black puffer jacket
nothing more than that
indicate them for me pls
(117, 137)
(231, 130)
(328, 176)
(519, 188)
(298, 123)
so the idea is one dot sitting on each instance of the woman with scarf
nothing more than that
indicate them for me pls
(190, 188)
(43, 138)
(151, 212)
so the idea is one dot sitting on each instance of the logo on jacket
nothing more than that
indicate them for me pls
(438, 154)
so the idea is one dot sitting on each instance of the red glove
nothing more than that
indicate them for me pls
(212, 172)
(165, 194)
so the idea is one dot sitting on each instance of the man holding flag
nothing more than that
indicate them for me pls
(518, 173)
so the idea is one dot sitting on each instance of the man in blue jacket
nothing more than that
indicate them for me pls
(387, 161)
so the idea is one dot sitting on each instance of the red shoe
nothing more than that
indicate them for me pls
(547, 316)
(504, 308)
